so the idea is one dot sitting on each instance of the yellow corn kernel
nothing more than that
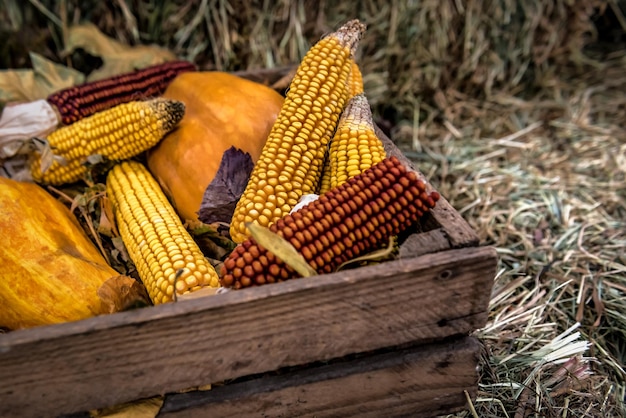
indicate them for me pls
(355, 147)
(291, 161)
(117, 133)
(167, 258)
(355, 81)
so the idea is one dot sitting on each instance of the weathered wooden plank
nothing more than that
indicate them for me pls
(121, 357)
(424, 243)
(458, 231)
(423, 381)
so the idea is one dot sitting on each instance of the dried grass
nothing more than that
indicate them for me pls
(515, 120)
(543, 180)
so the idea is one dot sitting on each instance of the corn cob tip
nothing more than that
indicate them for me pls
(349, 34)
(173, 109)
(358, 111)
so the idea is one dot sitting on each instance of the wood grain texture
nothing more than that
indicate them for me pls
(458, 231)
(64, 368)
(426, 242)
(423, 381)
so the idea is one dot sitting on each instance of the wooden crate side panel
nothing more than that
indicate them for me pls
(151, 351)
(459, 233)
(422, 381)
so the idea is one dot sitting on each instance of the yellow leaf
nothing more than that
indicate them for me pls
(122, 293)
(281, 248)
(200, 293)
(45, 78)
(117, 58)
(144, 408)
(377, 255)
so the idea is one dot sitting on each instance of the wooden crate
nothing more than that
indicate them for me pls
(383, 340)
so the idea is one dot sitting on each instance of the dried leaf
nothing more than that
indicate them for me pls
(118, 243)
(47, 155)
(200, 293)
(212, 243)
(45, 78)
(378, 255)
(222, 194)
(21, 122)
(145, 408)
(122, 293)
(281, 248)
(106, 226)
(117, 58)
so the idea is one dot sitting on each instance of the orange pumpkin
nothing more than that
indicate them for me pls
(50, 270)
(221, 110)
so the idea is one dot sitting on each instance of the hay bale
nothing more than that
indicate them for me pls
(411, 50)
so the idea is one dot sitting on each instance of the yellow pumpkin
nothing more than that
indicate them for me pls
(50, 271)
(221, 110)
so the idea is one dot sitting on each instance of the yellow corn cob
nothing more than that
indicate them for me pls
(117, 133)
(154, 236)
(291, 161)
(354, 147)
(355, 87)
(355, 80)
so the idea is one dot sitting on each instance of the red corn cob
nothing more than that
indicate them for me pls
(350, 220)
(77, 102)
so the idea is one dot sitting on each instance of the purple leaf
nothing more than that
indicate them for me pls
(222, 194)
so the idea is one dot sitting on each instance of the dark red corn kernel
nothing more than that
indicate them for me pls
(327, 269)
(255, 251)
(229, 263)
(295, 243)
(240, 263)
(257, 266)
(247, 257)
(352, 204)
(227, 280)
(318, 247)
(260, 279)
(248, 271)
(285, 274)
(308, 251)
(299, 235)
(287, 232)
(325, 240)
